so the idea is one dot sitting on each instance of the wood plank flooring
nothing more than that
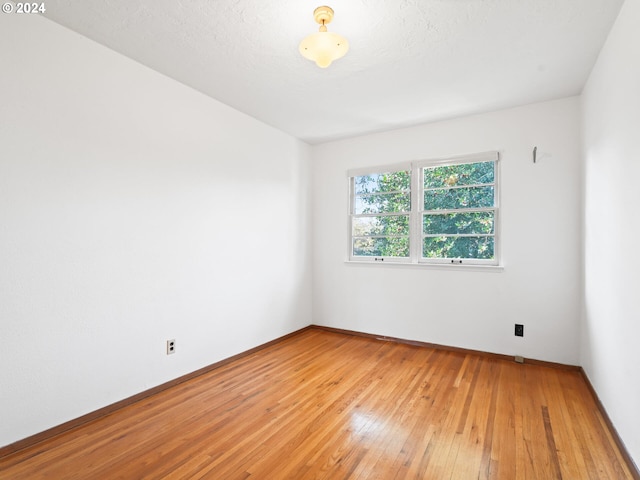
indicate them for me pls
(324, 405)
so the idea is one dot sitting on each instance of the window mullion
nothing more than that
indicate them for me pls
(390, 192)
(459, 210)
(380, 236)
(459, 187)
(437, 235)
(415, 228)
(382, 214)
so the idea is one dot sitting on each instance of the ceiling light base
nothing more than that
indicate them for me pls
(323, 15)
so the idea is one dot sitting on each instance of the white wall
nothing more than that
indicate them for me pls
(611, 323)
(132, 210)
(540, 284)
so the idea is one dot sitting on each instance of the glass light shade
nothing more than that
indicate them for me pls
(324, 47)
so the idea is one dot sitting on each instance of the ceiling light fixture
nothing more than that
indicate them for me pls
(324, 47)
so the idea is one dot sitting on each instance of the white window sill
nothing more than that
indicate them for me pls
(431, 266)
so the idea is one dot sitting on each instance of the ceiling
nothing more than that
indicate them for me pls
(410, 61)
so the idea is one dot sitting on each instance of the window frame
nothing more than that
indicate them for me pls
(416, 212)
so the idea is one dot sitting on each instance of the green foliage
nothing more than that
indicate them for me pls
(454, 198)
(381, 246)
(388, 235)
(383, 203)
(383, 182)
(458, 247)
(392, 225)
(458, 223)
(459, 175)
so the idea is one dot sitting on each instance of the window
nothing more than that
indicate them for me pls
(381, 207)
(430, 211)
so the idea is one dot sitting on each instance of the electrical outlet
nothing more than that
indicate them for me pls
(519, 330)
(171, 347)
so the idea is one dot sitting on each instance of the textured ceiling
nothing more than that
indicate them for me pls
(410, 61)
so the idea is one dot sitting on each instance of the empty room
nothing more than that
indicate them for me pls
(294, 240)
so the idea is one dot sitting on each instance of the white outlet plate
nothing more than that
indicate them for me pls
(171, 347)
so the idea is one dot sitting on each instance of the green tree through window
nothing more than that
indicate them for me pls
(382, 203)
(459, 217)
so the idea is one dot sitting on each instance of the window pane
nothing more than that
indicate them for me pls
(458, 247)
(383, 203)
(381, 247)
(452, 223)
(383, 182)
(459, 175)
(467, 197)
(394, 225)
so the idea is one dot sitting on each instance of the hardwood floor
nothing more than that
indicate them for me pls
(323, 405)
